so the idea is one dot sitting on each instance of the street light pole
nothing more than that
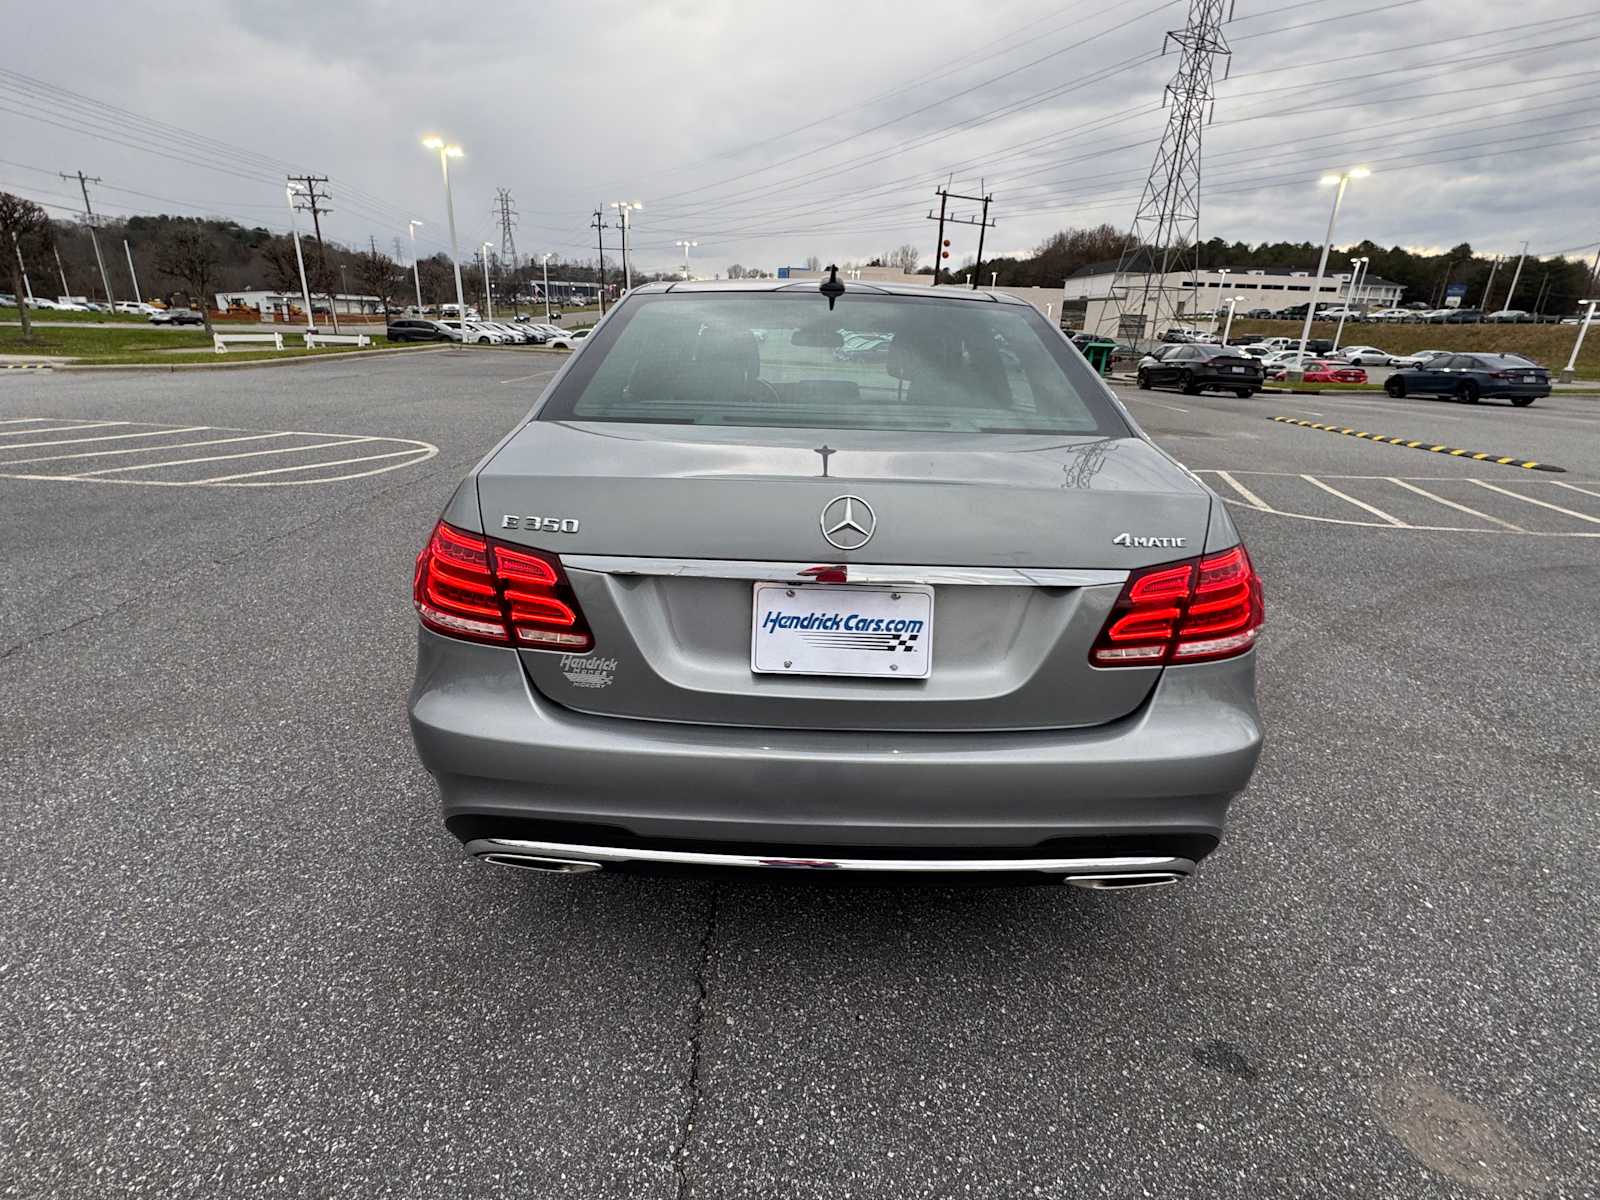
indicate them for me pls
(1342, 179)
(624, 208)
(1517, 275)
(132, 274)
(1221, 287)
(1588, 319)
(446, 153)
(488, 288)
(300, 260)
(416, 273)
(1227, 328)
(686, 245)
(1349, 298)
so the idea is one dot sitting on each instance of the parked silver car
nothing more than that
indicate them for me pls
(729, 603)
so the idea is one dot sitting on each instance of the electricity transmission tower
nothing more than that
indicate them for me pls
(505, 210)
(1165, 239)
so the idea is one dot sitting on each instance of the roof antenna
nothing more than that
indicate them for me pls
(831, 287)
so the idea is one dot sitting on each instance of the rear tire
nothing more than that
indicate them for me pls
(1244, 393)
(1395, 387)
(1190, 387)
(1143, 380)
(1522, 401)
(1467, 392)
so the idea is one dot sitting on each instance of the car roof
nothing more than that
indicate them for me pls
(914, 291)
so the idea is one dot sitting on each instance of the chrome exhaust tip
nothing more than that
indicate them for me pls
(533, 862)
(1126, 880)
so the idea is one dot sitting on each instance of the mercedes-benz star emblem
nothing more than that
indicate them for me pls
(848, 522)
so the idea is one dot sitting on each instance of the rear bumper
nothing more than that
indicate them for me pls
(511, 765)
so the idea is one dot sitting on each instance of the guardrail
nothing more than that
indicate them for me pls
(219, 341)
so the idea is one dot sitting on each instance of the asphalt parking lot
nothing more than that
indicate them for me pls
(242, 957)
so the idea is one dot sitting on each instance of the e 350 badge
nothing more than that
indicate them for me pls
(541, 524)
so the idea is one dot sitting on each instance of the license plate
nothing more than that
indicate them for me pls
(1238, 370)
(1530, 379)
(882, 632)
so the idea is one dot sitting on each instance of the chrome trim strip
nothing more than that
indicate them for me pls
(711, 568)
(1097, 868)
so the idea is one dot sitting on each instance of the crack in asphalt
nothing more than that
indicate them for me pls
(697, 1023)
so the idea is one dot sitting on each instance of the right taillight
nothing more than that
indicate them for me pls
(469, 587)
(1189, 611)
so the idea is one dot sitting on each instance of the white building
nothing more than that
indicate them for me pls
(1207, 291)
(280, 303)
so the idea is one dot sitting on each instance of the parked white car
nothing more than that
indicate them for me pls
(1511, 315)
(136, 308)
(475, 332)
(568, 339)
(1364, 356)
(1390, 314)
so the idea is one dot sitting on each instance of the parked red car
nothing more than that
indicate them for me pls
(1321, 371)
(1333, 372)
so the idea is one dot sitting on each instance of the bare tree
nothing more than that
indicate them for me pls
(283, 269)
(189, 255)
(813, 263)
(24, 229)
(904, 257)
(736, 272)
(377, 272)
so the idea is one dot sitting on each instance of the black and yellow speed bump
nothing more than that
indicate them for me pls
(1504, 460)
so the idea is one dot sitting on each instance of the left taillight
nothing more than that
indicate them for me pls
(1192, 611)
(470, 587)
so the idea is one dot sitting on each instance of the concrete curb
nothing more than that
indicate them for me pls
(254, 362)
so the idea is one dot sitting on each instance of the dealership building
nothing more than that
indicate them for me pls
(1088, 302)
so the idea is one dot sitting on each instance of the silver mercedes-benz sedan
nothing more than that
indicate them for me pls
(847, 579)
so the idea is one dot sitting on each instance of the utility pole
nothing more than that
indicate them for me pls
(62, 271)
(416, 272)
(1165, 236)
(1538, 302)
(600, 239)
(1518, 275)
(300, 259)
(982, 222)
(310, 200)
(132, 274)
(88, 213)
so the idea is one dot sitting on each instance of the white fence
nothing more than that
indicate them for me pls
(219, 341)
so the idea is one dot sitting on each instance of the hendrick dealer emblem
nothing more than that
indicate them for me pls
(848, 522)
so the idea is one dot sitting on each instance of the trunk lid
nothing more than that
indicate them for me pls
(700, 513)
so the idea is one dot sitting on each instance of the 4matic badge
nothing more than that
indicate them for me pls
(1128, 539)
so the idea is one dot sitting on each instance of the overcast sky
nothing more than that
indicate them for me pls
(767, 132)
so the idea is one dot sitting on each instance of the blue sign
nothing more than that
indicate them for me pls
(1454, 294)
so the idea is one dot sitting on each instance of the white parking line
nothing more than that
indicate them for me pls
(1361, 504)
(64, 428)
(547, 374)
(1157, 403)
(103, 437)
(312, 466)
(1471, 512)
(1541, 503)
(254, 437)
(1572, 487)
(183, 462)
(1255, 500)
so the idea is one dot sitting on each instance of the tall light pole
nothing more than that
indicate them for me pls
(446, 153)
(1588, 319)
(1488, 288)
(1517, 275)
(545, 260)
(299, 258)
(1221, 287)
(416, 273)
(488, 291)
(686, 246)
(1356, 267)
(132, 274)
(1227, 328)
(1342, 180)
(624, 207)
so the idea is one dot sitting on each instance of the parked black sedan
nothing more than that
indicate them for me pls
(1471, 377)
(1198, 368)
(417, 329)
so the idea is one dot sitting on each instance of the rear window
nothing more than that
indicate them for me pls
(873, 362)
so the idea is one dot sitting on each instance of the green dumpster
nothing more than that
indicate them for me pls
(1099, 355)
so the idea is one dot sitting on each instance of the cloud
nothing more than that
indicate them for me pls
(768, 133)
